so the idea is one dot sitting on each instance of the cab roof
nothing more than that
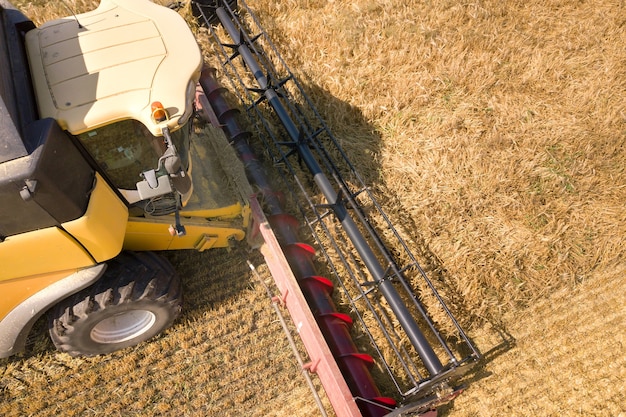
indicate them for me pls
(111, 63)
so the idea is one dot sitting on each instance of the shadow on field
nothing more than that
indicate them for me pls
(212, 277)
(362, 142)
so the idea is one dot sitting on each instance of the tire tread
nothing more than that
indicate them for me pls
(130, 277)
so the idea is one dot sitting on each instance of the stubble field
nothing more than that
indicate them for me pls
(498, 131)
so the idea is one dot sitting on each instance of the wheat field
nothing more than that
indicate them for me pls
(496, 134)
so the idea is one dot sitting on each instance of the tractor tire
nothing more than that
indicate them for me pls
(138, 296)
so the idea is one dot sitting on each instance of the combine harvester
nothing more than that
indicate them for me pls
(100, 160)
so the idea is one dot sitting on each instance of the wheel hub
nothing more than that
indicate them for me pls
(123, 326)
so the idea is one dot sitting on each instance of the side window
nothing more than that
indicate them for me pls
(124, 150)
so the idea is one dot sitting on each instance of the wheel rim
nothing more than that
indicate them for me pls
(123, 326)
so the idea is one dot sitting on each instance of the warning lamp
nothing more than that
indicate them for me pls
(159, 114)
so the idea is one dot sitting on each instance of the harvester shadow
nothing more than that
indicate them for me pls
(362, 142)
(213, 277)
(479, 371)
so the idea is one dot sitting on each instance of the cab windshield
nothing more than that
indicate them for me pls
(124, 150)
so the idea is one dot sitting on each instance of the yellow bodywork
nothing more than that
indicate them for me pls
(95, 237)
(201, 234)
(99, 230)
(15, 291)
(33, 261)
